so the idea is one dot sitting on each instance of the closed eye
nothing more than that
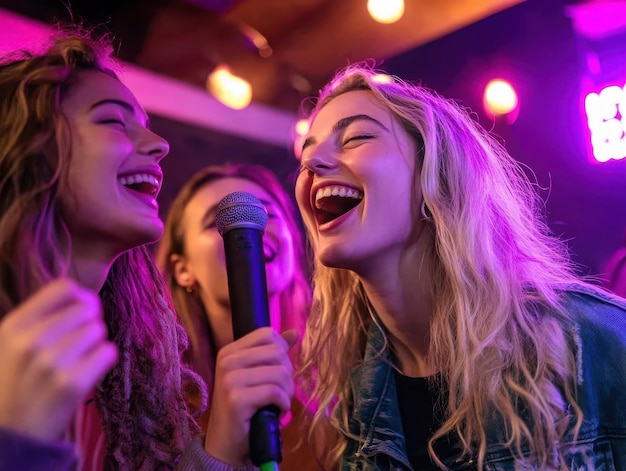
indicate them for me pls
(358, 137)
(210, 225)
(114, 121)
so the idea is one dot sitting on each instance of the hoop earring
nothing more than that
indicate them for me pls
(189, 289)
(426, 214)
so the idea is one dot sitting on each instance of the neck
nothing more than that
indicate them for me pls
(400, 293)
(91, 268)
(221, 319)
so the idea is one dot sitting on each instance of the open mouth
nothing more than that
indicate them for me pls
(334, 201)
(142, 183)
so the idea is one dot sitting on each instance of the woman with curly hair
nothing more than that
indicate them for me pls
(448, 329)
(90, 348)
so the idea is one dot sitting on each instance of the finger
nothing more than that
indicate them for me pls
(67, 321)
(277, 375)
(291, 336)
(73, 346)
(261, 336)
(95, 365)
(270, 354)
(52, 298)
(257, 397)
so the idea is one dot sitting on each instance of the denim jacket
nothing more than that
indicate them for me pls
(600, 335)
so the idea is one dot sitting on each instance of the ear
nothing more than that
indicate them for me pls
(182, 274)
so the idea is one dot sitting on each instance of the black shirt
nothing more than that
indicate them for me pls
(422, 414)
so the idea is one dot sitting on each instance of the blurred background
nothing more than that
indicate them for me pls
(226, 80)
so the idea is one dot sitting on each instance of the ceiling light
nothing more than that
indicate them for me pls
(229, 89)
(500, 98)
(386, 11)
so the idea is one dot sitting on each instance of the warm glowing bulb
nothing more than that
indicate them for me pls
(231, 90)
(500, 98)
(302, 127)
(386, 11)
(381, 78)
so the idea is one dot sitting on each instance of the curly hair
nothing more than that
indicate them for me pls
(146, 419)
(499, 334)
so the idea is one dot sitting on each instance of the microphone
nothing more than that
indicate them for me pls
(241, 219)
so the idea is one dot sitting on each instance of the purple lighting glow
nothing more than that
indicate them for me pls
(606, 118)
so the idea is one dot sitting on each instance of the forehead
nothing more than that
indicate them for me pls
(93, 86)
(213, 192)
(350, 104)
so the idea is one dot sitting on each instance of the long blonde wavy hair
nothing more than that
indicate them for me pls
(146, 420)
(499, 334)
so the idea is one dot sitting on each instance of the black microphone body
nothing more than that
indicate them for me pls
(241, 219)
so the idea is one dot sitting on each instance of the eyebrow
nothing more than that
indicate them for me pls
(342, 124)
(212, 210)
(121, 103)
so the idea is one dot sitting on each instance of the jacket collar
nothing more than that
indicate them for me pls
(375, 413)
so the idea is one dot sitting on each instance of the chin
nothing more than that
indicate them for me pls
(277, 286)
(278, 276)
(148, 233)
(334, 258)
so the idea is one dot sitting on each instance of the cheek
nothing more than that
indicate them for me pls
(285, 251)
(288, 258)
(392, 175)
(279, 231)
(302, 192)
(214, 254)
(206, 255)
(75, 198)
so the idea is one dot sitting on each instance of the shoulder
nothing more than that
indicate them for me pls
(599, 332)
(596, 312)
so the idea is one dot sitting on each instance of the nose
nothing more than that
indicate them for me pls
(319, 161)
(153, 145)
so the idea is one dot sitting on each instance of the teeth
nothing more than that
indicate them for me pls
(337, 190)
(139, 178)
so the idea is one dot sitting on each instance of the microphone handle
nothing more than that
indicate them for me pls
(247, 288)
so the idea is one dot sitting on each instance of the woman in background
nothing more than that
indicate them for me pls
(191, 255)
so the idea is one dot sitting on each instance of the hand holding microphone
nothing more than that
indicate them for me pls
(253, 381)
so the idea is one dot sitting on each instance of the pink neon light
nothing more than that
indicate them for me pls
(606, 118)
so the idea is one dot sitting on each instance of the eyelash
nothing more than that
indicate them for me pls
(114, 121)
(357, 137)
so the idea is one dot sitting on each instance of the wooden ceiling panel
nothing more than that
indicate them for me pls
(309, 39)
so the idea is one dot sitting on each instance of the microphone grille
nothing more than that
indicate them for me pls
(240, 210)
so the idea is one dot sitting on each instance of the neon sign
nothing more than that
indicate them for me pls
(606, 118)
